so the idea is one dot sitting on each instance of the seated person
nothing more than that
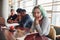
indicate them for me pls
(12, 17)
(2, 24)
(25, 21)
(9, 34)
(4, 33)
(41, 23)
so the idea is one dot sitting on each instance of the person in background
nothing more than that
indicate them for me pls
(4, 33)
(2, 25)
(9, 34)
(41, 22)
(12, 17)
(19, 11)
(26, 21)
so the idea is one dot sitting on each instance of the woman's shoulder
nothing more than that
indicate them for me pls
(45, 20)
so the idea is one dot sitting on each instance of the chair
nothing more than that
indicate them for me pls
(52, 33)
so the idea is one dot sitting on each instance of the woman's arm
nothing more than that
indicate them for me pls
(32, 28)
(44, 29)
(39, 29)
(37, 26)
(45, 26)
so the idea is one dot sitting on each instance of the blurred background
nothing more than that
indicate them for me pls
(51, 6)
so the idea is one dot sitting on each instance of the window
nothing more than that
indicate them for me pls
(56, 12)
(53, 9)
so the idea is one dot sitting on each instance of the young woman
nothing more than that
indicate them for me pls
(41, 23)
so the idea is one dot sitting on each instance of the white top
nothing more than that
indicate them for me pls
(44, 28)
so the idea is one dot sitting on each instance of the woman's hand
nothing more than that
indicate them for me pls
(37, 20)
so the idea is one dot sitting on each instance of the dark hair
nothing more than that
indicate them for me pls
(23, 10)
(35, 8)
(12, 10)
(19, 10)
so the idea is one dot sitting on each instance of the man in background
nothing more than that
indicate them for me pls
(26, 21)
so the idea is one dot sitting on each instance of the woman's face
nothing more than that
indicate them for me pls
(12, 12)
(37, 13)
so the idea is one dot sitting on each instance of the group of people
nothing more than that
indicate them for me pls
(40, 22)
(21, 17)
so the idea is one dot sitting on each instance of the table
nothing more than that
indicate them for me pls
(13, 24)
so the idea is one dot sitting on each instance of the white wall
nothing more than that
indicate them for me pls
(5, 9)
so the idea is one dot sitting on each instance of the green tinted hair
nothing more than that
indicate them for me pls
(43, 12)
